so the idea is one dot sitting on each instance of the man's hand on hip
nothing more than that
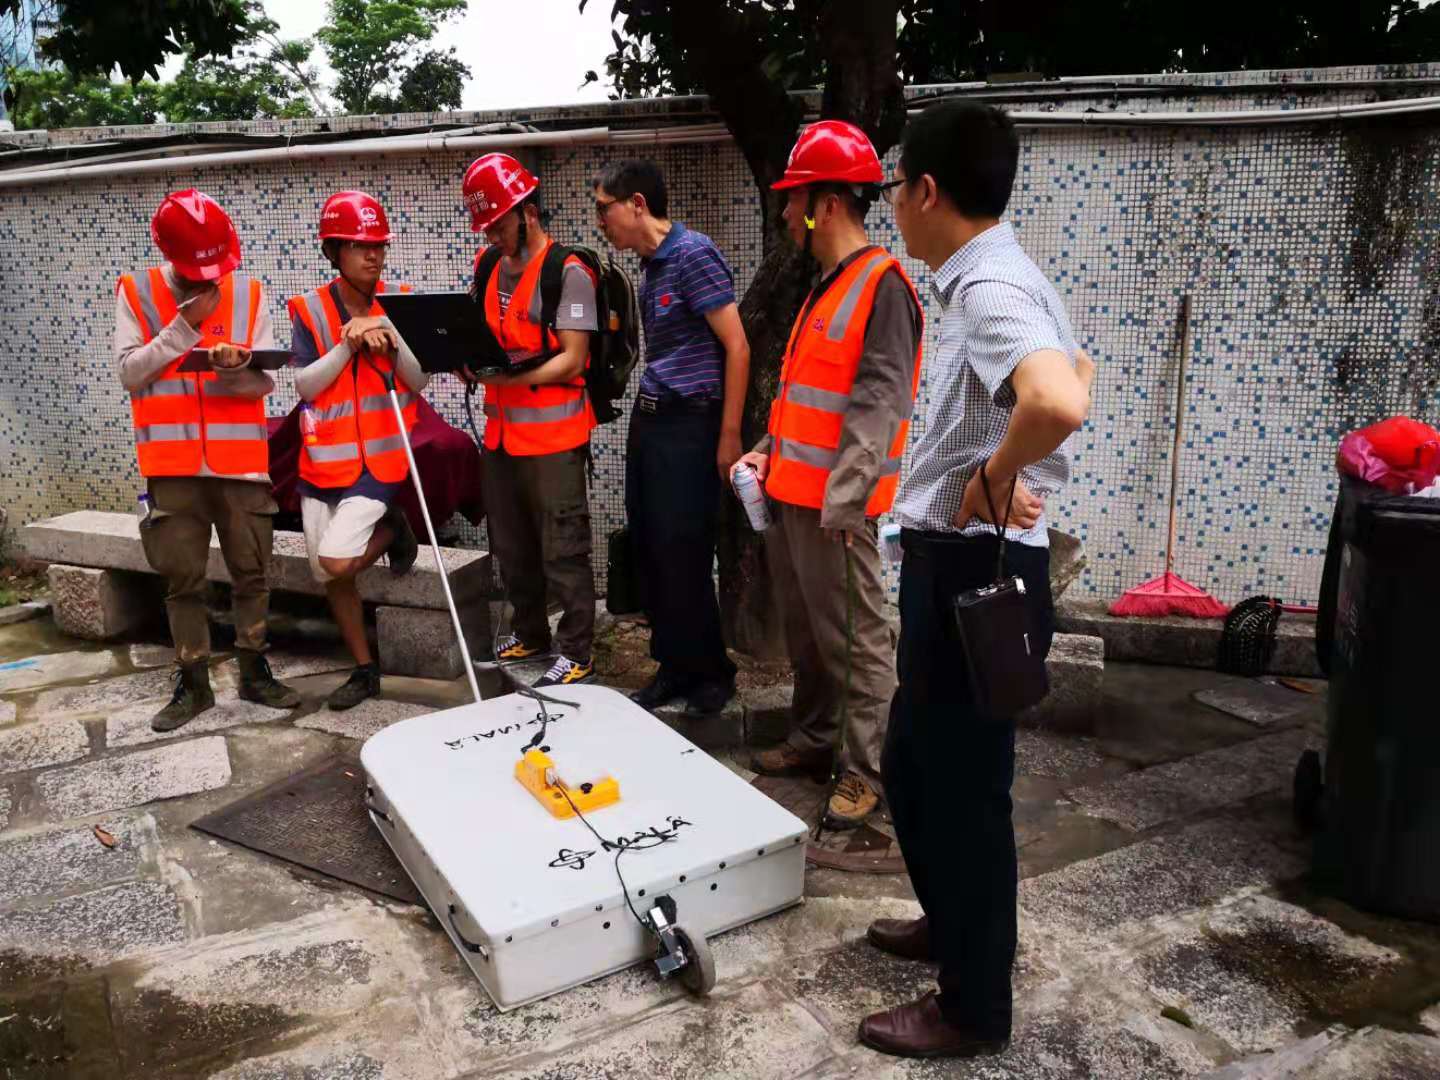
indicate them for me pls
(1025, 510)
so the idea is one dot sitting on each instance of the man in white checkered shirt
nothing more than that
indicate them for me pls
(1008, 386)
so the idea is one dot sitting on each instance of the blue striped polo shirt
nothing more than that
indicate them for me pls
(685, 278)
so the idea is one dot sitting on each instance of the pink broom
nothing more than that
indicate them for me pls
(1170, 594)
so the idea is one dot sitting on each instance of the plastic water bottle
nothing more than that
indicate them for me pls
(890, 543)
(309, 428)
(145, 509)
(751, 495)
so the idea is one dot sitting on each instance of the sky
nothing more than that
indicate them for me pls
(520, 52)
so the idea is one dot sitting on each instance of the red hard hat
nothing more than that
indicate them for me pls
(831, 151)
(196, 235)
(494, 185)
(353, 215)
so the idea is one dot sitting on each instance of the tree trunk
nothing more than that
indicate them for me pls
(862, 86)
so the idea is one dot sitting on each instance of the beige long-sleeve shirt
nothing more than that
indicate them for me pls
(140, 362)
(881, 398)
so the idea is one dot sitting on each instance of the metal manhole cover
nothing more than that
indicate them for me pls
(870, 849)
(316, 819)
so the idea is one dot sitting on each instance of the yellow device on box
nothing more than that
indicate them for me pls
(536, 773)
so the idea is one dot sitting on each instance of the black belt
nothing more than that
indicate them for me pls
(660, 405)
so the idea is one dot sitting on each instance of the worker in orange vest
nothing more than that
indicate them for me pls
(352, 456)
(831, 462)
(537, 424)
(202, 441)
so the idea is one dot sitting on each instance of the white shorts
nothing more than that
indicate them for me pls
(341, 531)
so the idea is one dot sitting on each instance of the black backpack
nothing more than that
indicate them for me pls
(614, 348)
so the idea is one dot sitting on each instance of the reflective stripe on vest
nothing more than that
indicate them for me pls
(184, 420)
(356, 428)
(530, 420)
(821, 360)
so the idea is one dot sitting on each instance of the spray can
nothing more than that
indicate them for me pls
(890, 543)
(751, 495)
(145, 509)
(309, 428)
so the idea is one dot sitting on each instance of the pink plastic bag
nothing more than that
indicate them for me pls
(1400, 455)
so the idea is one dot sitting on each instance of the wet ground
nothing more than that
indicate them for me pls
(1168, 927)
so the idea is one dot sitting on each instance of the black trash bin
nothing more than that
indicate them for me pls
(1378, 846)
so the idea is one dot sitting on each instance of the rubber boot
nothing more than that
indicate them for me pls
(192, 697)
(259, 685)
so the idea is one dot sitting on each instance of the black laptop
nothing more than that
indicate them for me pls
(444, 331)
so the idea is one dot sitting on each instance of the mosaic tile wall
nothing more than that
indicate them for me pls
(1309, 252)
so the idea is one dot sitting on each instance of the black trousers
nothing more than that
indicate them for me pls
(672, 501)
(948, 773)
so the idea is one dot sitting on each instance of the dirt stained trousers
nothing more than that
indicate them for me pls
(177, 545)
(807, 567)
(539, 526)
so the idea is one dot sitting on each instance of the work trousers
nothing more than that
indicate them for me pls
(539, 526)
(672, 506)
(177, 545)
(948, 772)
(807, 567)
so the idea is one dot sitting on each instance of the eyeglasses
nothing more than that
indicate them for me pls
(887, 190)
(603, 208)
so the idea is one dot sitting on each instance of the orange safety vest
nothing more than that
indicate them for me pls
(531, 420)
(818, 374)
(355, 424)
(184, 418)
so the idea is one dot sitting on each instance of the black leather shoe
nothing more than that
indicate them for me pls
(661, 690)
(710, 697)
(920, 1030)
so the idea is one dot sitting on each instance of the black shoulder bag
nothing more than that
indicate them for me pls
(1007, 672)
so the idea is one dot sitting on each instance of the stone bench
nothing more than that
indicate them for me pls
(103, 587)
(1180, 642)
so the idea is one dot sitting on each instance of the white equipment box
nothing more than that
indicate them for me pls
(532, 901)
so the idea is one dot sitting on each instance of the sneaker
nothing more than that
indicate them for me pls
(566, 672)
(854, 800)
(660, 691)
(364, 682)
(710, 698)
(192, 697)
(258, 683)
(404, 547)
(512, 648)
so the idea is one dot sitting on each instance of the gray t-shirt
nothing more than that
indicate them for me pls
(577, 296)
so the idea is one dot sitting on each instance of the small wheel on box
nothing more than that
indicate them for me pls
(1309, 788)
(698, 974)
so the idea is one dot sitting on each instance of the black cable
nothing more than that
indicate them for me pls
(621, 849)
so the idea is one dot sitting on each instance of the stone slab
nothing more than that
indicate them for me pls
(1376, 1052)
(42, 743)
(1076, 670)
(363, 720)
(1149, 797)
(5, 804)
(1254, 701)
(103, 697)
(7, 713)
(1182, 642)
(62, 860)
(422, 643)
(112, 541)
(750, 1033)
(130, 726)
(151, 656)
(115, 783)
(767, 712)
(724, 730)
(1056, 757)
(1258, 971)
(103, 925)
(47, 669)
(23, 612)
(101, 605)
(1163, 876)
